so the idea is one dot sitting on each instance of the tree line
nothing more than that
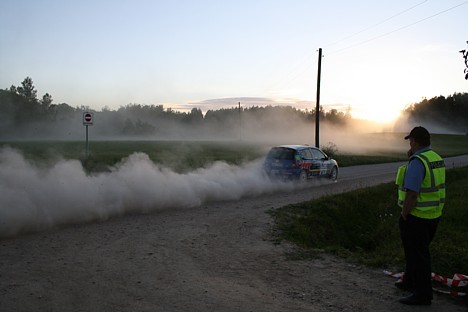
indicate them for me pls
(24, 116)
(449, 113)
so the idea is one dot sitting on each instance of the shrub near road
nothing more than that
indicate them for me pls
(363, 226)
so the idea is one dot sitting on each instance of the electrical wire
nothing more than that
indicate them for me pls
(299, 69)
(398, 29)
(375, 25)
(307, 62)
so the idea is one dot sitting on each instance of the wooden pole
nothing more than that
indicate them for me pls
(317, 102)
(240, 124)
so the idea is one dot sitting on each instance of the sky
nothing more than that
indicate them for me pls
(378, 56)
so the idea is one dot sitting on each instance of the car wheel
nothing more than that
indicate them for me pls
(303, 176)
(334, 174)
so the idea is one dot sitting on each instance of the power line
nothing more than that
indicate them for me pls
(307, 62)
(299, 69)
(375, 25)
(401, 28)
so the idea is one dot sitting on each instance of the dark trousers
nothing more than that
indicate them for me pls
(416, 236)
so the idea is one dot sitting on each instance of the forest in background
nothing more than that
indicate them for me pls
(24, 116)
(449, 113)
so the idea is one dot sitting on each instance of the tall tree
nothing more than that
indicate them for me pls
(195, 116)
(27, 90)
(46, 100)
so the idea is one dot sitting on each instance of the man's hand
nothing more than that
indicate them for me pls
(409, 203)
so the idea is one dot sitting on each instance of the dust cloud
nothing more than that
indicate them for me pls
(37, 197)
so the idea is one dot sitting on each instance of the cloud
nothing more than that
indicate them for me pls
(233, 102)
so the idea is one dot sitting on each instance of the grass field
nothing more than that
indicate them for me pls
(362, 225)
(445, 144)
(182, 156)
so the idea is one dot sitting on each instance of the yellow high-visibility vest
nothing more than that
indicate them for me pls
(431, 197)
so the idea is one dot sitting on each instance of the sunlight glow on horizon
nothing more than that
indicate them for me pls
(380, 116)
(368, 113)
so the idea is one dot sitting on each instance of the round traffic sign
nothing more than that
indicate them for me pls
(88, 117)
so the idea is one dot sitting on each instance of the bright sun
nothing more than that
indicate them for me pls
(382, 114)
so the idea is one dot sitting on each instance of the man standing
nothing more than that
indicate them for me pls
(421, 195)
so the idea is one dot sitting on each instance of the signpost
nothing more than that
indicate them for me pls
(88, 119)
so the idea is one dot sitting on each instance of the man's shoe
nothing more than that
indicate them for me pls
(403, 286)
(413, 300)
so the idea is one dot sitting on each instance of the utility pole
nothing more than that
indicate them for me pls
(240, 124)
(317, 101)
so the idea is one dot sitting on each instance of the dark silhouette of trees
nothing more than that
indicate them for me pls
(137, 128)
(450, 113)
(17, 108)
(335, 117)
(195, 116)
(465, 56)
(46, 100)
(28, 90)
(22, 115)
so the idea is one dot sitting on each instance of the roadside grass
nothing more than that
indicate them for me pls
(180, 156)
(346, 160)
(184, 156)
(362, 226)
(445, 144)
(450, 144)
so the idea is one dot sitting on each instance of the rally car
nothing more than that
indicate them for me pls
(299, 162)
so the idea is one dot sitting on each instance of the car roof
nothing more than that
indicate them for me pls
(295, 147)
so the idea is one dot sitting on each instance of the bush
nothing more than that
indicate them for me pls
(330, 149)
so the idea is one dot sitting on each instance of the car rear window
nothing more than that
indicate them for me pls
(318, 154)
(281, 153)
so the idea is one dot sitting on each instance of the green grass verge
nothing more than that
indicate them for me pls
(448, 144)
(362, 226)
(178, 155)
(445, 144)
(183, 156)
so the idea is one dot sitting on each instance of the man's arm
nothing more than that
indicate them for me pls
(409, 203)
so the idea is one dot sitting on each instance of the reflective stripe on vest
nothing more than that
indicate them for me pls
(431, 197)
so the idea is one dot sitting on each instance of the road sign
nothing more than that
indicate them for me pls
(88, 119)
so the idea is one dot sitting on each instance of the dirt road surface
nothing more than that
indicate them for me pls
(217, 257)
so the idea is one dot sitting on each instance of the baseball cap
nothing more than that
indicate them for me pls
(420, 134)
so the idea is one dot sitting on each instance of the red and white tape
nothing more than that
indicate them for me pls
(458, 280)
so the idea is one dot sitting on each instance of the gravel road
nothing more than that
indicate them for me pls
(216, 257)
